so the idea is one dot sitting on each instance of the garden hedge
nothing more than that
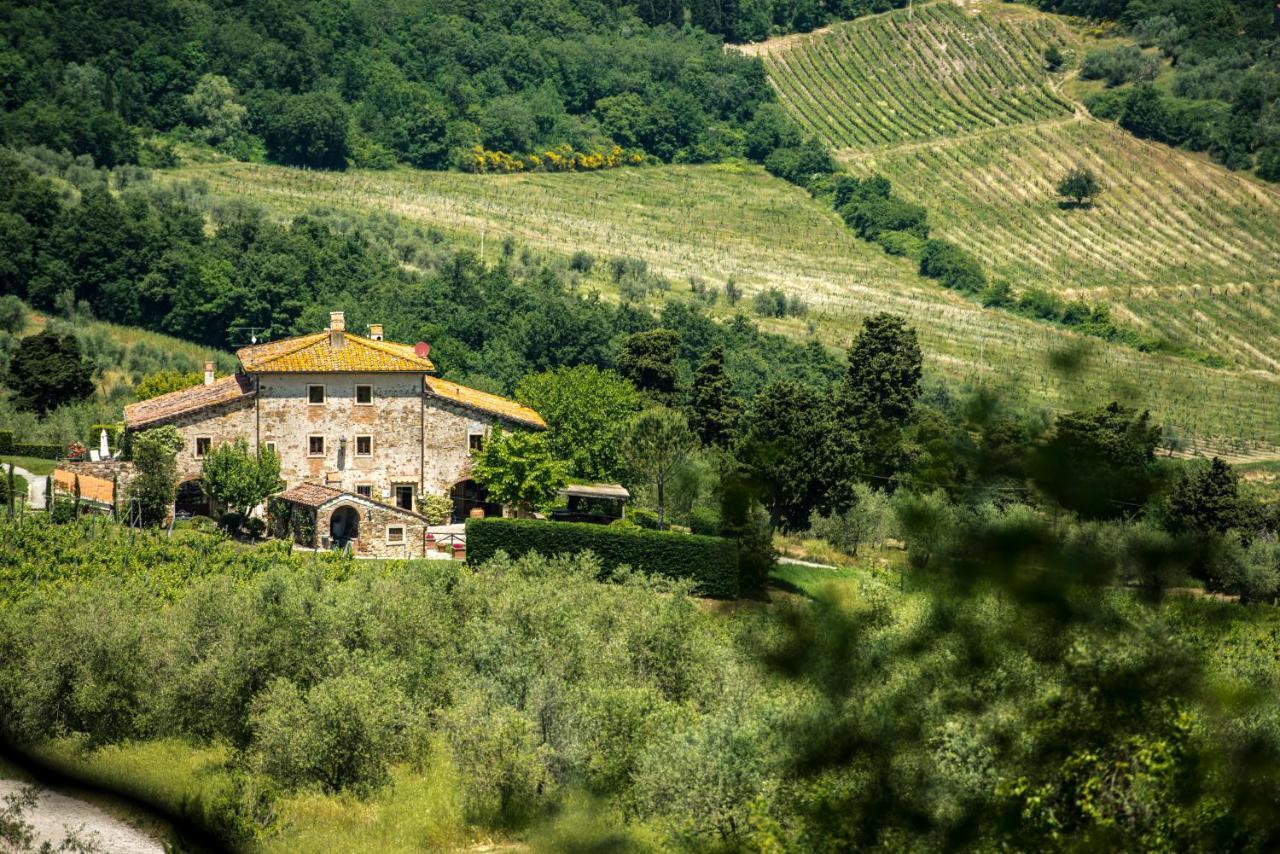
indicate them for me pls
(43, 451)
(711, 562)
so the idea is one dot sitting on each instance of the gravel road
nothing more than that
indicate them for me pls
(55, 814)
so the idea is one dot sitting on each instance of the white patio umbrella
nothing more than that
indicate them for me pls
(104, 448)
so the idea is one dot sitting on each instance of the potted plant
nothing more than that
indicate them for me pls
(75, 452)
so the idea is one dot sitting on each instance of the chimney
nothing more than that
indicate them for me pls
(208, 373)
(337, 329)
(375, 331)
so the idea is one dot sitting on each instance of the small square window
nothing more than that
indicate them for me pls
(395, 534)
(475, 442)
(315, 446)
(364, 446)
(365, 489)
(315, 394)
(202, 445)
(271, 446)
(404, 497)
(364, 395)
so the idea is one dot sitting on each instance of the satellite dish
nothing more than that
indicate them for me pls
(422, 349)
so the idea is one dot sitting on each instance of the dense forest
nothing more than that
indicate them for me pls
(321, 84)
(1225, 93)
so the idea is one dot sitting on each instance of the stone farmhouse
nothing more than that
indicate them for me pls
(356, 415)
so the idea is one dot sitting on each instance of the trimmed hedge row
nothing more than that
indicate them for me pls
(27, 449)
(710, 562)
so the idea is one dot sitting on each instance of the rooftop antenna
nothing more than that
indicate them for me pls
(253, 333)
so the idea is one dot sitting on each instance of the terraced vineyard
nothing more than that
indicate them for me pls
(915, 74)
(1164, 218)
(716, 221)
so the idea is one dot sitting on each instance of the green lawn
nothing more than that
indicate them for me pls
(35, 465)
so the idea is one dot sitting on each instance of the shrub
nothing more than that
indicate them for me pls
(582, 261)
(506, 768)
(1108, 104)
(1041, 304)
(1251, 572)
(1053, 58)
(340, 734)
(704, 521)
(902, 244)
(952, 266)
(63, 510)
(6, 441)
(872, 216)
(1119, 65)
(437, 508)
(710, 562)
(644, 517)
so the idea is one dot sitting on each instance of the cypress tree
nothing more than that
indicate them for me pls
(714, 404)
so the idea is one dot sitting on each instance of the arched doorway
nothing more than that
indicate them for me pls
(468, 495)
(344, 526)
(191, 500)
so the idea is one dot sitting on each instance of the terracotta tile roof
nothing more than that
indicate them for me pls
(485, 402)
(316, 496)
(314, 354)
(310, 494)
(176, 403)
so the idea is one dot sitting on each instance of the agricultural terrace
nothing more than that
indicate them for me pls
(915, 74)
(1165, 217)
(717, 221)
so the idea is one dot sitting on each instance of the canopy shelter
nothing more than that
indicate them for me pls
(601, 503)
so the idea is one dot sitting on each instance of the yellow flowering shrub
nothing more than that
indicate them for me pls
(562, 158)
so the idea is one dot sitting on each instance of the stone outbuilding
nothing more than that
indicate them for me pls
(321, 517)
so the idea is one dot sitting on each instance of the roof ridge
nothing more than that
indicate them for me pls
(180, 391)
(303, 342)
(391, 348)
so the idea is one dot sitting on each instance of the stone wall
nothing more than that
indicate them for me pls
(220, 424)
(446, 442)
(392, 421)
(372, 539)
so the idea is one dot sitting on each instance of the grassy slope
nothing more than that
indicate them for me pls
(717, 221)
(957, 109)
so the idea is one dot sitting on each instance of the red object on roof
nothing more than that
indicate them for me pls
(422, 349)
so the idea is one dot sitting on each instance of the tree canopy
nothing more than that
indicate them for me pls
(48, 370)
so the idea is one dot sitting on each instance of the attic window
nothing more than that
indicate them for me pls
(202, 445)
(475, 442)
(364, 395)
(315, 394)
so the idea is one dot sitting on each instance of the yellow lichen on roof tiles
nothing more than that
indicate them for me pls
(315, 354)
(484, 401)
(185, 400)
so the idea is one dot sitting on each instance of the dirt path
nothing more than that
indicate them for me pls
(56, 814)
(35, 488)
